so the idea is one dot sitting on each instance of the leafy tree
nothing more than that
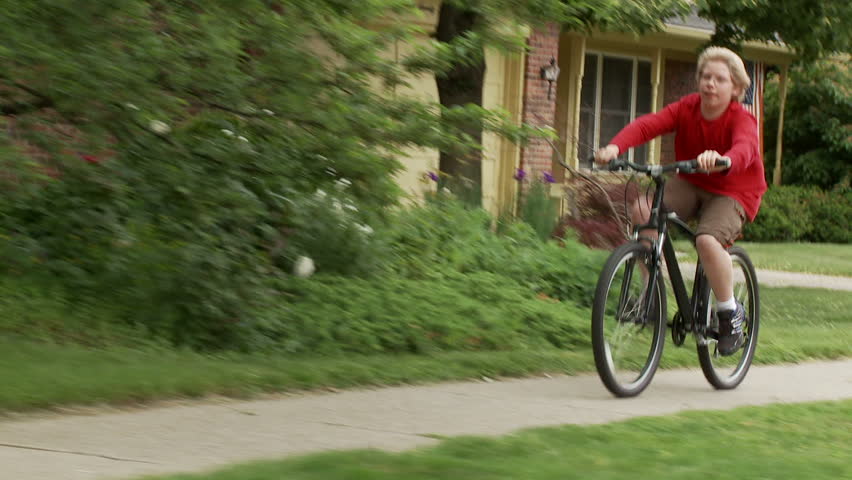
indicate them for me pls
(817, 147)
(813, 28)
(466, 26)
(175, 155)
(165, 151)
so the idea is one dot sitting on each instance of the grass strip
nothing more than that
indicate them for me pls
(778, 442)
(821, 258)
(797, 325)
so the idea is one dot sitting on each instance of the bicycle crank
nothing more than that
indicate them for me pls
(678, 328)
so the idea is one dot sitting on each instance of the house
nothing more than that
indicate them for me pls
(606, 80)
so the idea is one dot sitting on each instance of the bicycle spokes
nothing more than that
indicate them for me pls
(728, 371)
(627, 341)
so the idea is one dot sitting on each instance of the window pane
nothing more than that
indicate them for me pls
(643, 104)
(590, 78)
(643, 88)
(611, 124)
(617, 85)
(586, 140)
(618, 105)
(588, 94)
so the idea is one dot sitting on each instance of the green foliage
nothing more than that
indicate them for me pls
(817, 148)
(477, 311)
(165, 157)
(832, 215)
(813, 28)
(539, 210)
(783, 215)
(444, 236)
(802, 214)
(184, 144)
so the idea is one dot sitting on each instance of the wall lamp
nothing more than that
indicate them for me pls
(550, 73)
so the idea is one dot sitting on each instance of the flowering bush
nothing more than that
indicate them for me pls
(328, 228)
(593, 222)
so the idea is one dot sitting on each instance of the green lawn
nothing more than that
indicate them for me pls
(797, 325)
(823, 258)
(800, 441)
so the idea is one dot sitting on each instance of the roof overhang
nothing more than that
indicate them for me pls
(684, 39)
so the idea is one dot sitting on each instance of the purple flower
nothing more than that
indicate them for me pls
(520, 174)
(548, 177)
(432, 176)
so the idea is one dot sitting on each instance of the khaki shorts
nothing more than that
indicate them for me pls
(718, 216)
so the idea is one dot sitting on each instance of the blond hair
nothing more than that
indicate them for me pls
(735, 64)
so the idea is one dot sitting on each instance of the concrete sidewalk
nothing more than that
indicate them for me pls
(196, 437)
(776, 278)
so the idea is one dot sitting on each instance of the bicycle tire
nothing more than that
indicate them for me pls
(611, 320)
(726, 373)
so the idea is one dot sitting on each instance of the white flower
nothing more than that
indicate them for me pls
(338, 207)
(242, 138)
(365, 229)
(131, 106)
(320, 194)
(268, 112)
(159, 127)
(342, 184)
(304, 267)
(351, 207)
(331, 171)
(227, 132)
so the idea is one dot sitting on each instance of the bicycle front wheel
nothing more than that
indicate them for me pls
(725, 373)
(628, 344)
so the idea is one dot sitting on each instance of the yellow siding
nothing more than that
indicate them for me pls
(503, 89)
(417, 161)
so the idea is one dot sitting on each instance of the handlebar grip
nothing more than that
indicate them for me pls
(723, 162)
(616, 165)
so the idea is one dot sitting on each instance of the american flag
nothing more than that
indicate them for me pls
(753, 101)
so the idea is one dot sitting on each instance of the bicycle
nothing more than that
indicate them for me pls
(629, 317)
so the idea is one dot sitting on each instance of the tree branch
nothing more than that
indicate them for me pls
(623, 225)
(19, 108)
(42, 101)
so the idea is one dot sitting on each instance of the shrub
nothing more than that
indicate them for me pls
(783, 217)
(831, 214)
(802, 214)
(477, 311)
(593, 220)
(443, 237)
(539, 210)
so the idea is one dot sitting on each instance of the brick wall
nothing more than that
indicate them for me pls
(679, 81)
(538, 109)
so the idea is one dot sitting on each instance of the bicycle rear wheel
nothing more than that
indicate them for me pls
(725, 373)
(627, 344)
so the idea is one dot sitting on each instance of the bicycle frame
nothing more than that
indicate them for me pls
(692, 308)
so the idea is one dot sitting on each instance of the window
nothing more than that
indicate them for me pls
(615, 91)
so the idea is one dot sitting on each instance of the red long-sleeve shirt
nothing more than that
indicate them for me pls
(733, 135)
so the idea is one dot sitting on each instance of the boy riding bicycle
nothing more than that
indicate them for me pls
(708, 125)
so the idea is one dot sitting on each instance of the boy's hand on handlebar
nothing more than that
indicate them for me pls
(606, 154)
(707, 161)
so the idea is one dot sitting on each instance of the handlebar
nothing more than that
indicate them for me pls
(685, 166)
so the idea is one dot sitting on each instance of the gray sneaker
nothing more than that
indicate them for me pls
(731, 336)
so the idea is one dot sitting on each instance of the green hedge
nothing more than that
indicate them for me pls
(479, 311)
(435, 277)
(802, 214)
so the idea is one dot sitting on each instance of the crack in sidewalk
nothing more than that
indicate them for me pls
(379, 430)
(72, 452)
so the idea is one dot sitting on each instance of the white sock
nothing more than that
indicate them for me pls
(729, 304)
